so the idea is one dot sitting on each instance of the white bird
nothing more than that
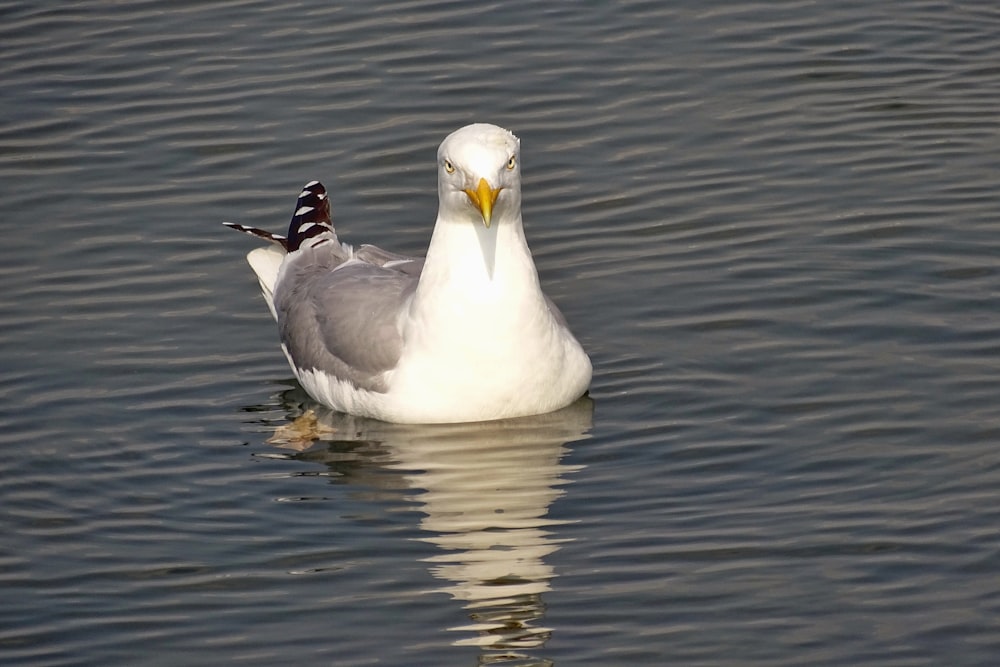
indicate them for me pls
(464, 335)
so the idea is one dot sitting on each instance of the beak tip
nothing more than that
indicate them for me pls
(483, 198)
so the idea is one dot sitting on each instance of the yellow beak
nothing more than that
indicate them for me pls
(483, 198)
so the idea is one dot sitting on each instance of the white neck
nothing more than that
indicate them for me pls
(477, 266)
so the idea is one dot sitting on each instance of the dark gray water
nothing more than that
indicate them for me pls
(774, 226)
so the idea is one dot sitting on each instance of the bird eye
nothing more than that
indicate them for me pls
(449, 167)
(511, 162)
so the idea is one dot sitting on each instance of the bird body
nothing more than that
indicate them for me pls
(465, 335)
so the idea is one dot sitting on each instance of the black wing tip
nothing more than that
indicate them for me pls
(311, 217)
(276, 239)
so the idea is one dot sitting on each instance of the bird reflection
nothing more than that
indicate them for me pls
(485, 490)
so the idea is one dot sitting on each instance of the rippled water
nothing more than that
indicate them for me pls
(774, 226)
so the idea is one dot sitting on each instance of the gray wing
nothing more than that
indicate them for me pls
(375, 255)
(341, 317)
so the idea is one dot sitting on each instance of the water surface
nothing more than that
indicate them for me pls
(773, 226)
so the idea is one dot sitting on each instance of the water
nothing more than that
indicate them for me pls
(774, 227)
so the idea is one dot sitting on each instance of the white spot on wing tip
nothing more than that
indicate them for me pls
(303, 210)
(311, 183)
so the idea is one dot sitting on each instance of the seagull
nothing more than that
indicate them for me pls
(464, 335)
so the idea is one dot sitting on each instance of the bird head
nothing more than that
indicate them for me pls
(479, 173)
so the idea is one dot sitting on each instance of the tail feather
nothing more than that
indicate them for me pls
(266, 262)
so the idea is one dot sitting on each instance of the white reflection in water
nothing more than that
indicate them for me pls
(485, 490)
